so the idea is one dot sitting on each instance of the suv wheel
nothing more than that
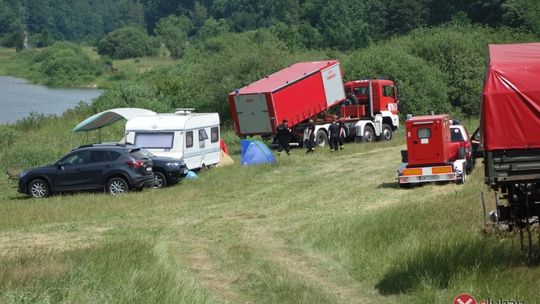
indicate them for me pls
(117, 185)
(38, 188)
(159, 180)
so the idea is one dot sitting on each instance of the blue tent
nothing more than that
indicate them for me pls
(255, 152)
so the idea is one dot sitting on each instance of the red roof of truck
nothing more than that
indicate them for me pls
(285, 76)
(511, 98)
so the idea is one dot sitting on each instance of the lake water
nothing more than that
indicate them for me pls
(18, 99)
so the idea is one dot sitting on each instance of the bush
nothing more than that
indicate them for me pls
(127, 42)
(422, 85)
(64, 63)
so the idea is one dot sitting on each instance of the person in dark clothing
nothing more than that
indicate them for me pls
(342, 134)
(283, 135)
(310, 136)
(333, 129)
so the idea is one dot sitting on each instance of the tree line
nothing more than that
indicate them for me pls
(336, 24)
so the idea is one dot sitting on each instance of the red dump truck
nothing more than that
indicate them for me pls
(313, 90)
(438, 149)
(510, 132)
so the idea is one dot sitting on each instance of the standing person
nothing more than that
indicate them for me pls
(333, 129)
(310, 136)
(283, 136)
(342, 134)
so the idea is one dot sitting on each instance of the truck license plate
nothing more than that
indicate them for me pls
(428, 177)
(148, 169)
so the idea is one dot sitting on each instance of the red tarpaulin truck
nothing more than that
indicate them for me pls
(438, 149)
(510, 131)
(309, 90)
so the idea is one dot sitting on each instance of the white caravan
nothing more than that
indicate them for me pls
(193, 137)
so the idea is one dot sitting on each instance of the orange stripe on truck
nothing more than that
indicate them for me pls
(414, 171)
(441, 170)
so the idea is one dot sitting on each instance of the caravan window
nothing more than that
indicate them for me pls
(214, 134)
(189, 139)
(162, 140)
(202, 135)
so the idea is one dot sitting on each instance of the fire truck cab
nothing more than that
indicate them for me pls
(431, 156)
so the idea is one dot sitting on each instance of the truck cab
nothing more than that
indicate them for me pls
(461, 145)
(431, 154)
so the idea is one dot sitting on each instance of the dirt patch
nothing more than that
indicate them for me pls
(15, 243)
(309, 267)
(203, 268)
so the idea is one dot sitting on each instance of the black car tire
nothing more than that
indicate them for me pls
(463, 177)
(117, 185)
(38, 188)
(369, 134)
(386, 133)
(160, 181)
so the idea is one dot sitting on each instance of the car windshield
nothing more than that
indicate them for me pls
(456, 135)
(148, 153)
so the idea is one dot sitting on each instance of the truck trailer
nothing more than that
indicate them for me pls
(438, 149)
(315, 90)
(510, 133)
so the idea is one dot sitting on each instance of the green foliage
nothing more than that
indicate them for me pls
(128, 42)
(174, 33)
(66, 63)
(422, 86)
(523, 13)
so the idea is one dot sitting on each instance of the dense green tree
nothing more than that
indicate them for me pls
(173, 31)
(127, 42)
(523, 13)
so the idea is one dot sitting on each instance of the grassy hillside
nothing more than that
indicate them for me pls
(322, 228)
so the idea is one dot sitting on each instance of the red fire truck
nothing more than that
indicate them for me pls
(438, 149)
(315, 90)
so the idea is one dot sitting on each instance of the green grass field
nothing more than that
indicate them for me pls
(321, 228)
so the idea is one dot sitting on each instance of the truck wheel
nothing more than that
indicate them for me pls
(38, 188)
(470, 165)
(463, 176)
(369, 134)
(321, 139)
(386, 133)
(351, 100)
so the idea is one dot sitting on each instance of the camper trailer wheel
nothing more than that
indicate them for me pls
(117, 185)
(38, 188)
(321, 138)
(159, 180)
(369, 134)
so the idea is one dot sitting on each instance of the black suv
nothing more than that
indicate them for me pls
(168, 171)
(115, 168)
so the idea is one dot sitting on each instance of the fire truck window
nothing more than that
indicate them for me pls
(388, 91)
(424, 133)
(456, 135)
(361, 91)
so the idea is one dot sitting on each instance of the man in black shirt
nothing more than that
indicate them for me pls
(334, 129)
(310, 137)
(283, 135)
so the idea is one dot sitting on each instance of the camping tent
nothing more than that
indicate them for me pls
(255, 152)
